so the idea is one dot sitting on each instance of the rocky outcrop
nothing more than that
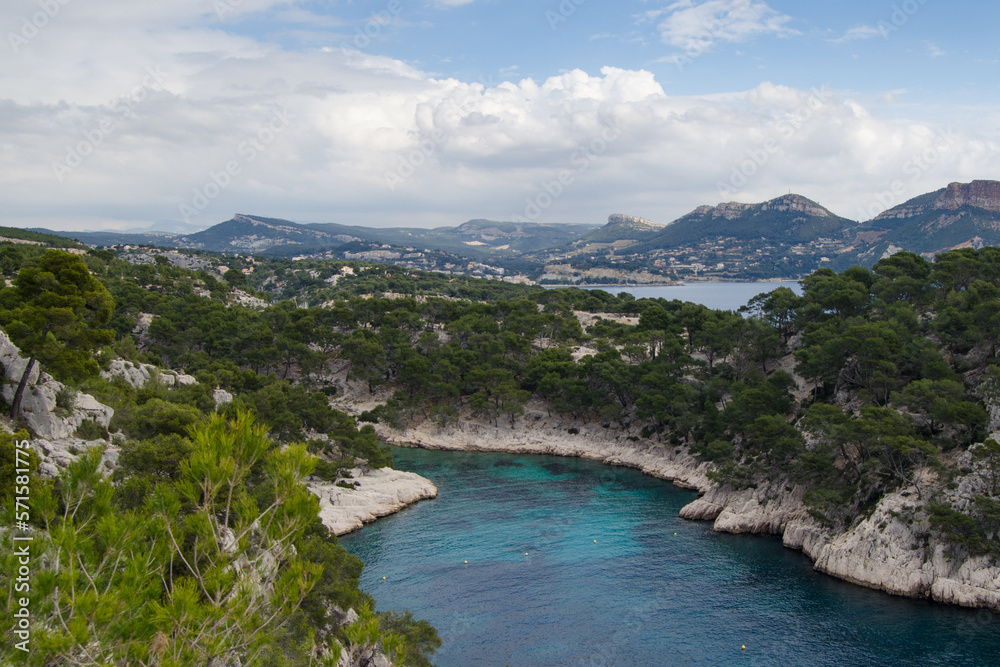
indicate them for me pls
(375, 493)
(796, 203)
(39, 403)
(984, 195)
(979, 194)
(142, 323)
(785, 203)
(137, 375)
(54, 426)
(767, 509)
(241, 298)
(221, 397)
(633, 222)
(892, 550)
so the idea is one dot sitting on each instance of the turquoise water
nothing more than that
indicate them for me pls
(652, 590)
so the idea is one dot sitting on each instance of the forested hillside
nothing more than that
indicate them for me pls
(871, 382)
(181, 532)
(896, 361)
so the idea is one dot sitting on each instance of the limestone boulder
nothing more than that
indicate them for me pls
(137, 375)
(375, 493)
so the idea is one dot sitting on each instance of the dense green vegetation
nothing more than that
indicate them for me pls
(204, 545)
(894, 362)
(223, 558)
(10, 249)
(54, 312)
(870, 381)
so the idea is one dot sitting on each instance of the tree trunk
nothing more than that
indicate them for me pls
(15, 406)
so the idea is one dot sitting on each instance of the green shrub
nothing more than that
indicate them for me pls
(157, 417)
(66, 398)
(8, 461)
(91, 430)
(420, 639)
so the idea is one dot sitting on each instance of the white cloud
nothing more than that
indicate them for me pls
(892, 96)
(355, 119)
(858, 32)
(697, 26)
(935, 51)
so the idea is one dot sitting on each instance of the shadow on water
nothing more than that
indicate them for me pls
(507, 463)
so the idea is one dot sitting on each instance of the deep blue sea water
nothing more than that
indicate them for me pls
(652, 590)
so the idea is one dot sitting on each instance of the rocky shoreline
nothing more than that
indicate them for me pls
(888, 551)
(375, 493)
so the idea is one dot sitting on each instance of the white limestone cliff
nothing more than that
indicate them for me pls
(376, 493)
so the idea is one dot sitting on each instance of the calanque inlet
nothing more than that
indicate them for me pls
(234, 434)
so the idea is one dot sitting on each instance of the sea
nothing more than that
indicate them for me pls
(534, 560)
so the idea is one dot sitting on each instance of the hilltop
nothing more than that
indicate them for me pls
(786, 237)
(786, 218)
(961, 215)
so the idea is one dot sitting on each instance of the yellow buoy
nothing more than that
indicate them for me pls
(675, 534)
(595, 541)
(525, 553)
(466, 562)
(383, 578)
(744, 647)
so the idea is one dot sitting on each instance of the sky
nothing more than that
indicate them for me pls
(117, 114)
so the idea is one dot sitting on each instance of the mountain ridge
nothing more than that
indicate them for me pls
(958, 215)
(788, 236)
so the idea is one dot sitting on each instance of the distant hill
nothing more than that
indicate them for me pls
(622, 227)
(250, 234)
(164, 239)
(786, 219)
(960, 215)
(257, 235)
(787, 237)
(475, 238)
(36, 237)
(515, 237)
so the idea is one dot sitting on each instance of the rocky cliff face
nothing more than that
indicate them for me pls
(797, 204)
(979, 194)
(984, 195)
(631, 221)
(54, 426)
(538, 434)
(892, 550)
(794, 203)
(137, 375)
